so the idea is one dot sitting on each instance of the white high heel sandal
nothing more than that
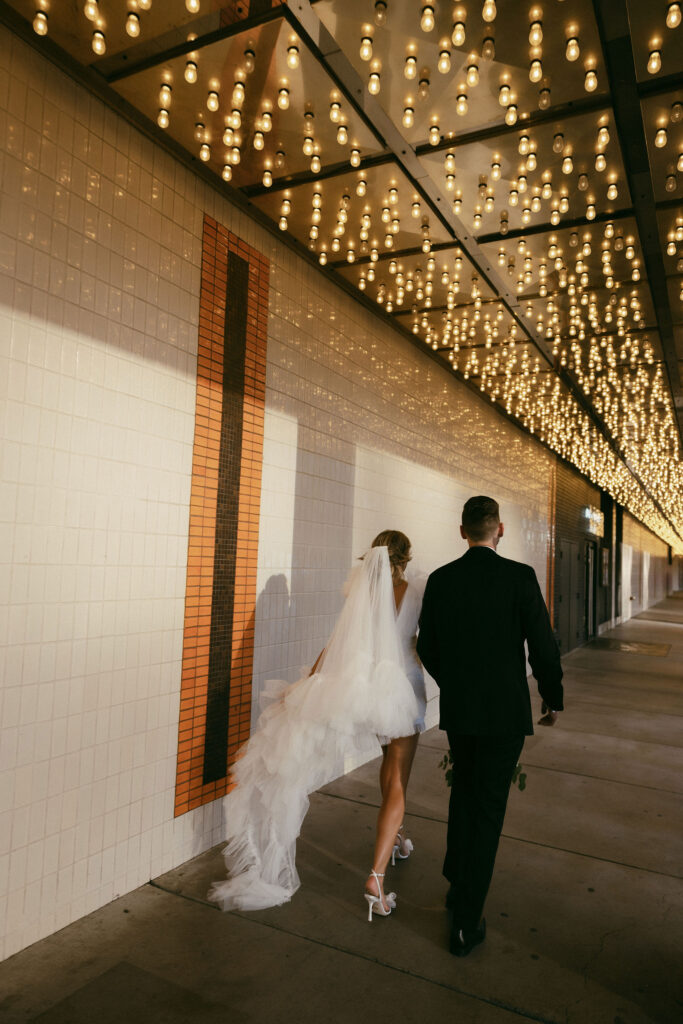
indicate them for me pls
(400, 846)
(374, 900)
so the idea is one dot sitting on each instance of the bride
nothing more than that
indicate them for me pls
(367, 683)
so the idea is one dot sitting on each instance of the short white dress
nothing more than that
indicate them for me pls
(407, 621)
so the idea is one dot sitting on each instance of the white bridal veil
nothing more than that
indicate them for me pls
(359, 691)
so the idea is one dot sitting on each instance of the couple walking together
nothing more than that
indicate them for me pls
(468, 629)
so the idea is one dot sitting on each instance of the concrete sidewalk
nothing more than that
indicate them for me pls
(584, 913)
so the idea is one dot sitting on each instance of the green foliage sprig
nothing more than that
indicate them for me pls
(446, 764)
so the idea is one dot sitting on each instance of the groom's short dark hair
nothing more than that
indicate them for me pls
(480, 517)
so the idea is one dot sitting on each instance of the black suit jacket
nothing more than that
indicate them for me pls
(476, 614)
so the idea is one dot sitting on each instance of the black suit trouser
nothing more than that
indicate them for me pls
(482, 772)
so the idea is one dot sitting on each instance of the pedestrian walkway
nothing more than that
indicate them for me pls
(584, 914)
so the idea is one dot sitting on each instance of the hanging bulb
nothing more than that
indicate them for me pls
(504, 94)
(249, 62)
(449, 164)
(654, 62)
(380, 13)
(489, 11)
(226, 173)
(283, 99)
(238, 94)
(204, 152)
(192, 6)
(354, 158)
(676, 115)
(423, 88)
(661, 138)
(535, 71)
(91, 10)
(600, 162)
(582, 182)
(361, 187)
(434, 135)
(461, 105)
(511, 115)
(212, 101)
(133, 24)
(673, 15)
(191, 72)
(267, 178)
(228, 137)
(374, 84)
(535, 33)
(531, 161)
(293, 57)
(335, 112)
(282, 223)
(671, 183)
(590, 82)
(488, 49)
(342, 135)
(165, 94)
(315, 164)
(472, 77)
(679, 163)
(458, 34)
(567, 165)
(408, 117)
(259, 140)
(495, 170)
(410, 66)
(444, 64)
(99, 43)
(40, 23)
(544, 99)
(366, 48)
(558, 142)
(572, 52)
(590, 211)
(162, 118)
(427, 18)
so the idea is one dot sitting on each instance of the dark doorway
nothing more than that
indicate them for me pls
(590, 589)
(569, 596)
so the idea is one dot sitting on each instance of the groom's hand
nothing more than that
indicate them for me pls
(548, 717)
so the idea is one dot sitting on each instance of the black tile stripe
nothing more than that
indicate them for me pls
(227, 510)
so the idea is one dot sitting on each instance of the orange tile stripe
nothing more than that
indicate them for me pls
(217, 242)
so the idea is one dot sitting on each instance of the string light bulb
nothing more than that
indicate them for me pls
(489, 11)
(472, 76)
(600, 162)
(366, 48)
(267, 178)
(427, 18)
(91, 10)
(458, 34)
(654, 62)
(511, 114)
(213, 101)
(192, 6)
(374, 84)
(293, 60)
(408, 117)
(535, 71)
(190, 72)
(488, 49)
(380, 13)
(573, 51)
(163, 118)
(133, 24)
(283, 98)
(590, 82)
(40, 23)
(673, 15)
(544, 99)
(99, 43)
(661, 138)
(444, 64)
(535, 33)
(410, 66)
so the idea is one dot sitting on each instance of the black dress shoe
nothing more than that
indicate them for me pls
(451, 897)
(463, 942)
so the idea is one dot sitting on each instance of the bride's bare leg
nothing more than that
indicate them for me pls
(393, 780)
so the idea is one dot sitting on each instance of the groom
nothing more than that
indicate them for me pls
(477, 613)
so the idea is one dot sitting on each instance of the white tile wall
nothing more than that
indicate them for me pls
(100, 249)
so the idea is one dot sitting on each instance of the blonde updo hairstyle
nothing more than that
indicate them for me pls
(399, 551)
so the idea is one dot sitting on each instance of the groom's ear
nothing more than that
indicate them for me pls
(501, 529)
(462, 533)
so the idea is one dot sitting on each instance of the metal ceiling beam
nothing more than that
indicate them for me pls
(541, 229)
(615, 37)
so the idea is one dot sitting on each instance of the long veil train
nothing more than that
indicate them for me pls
(359, 691)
